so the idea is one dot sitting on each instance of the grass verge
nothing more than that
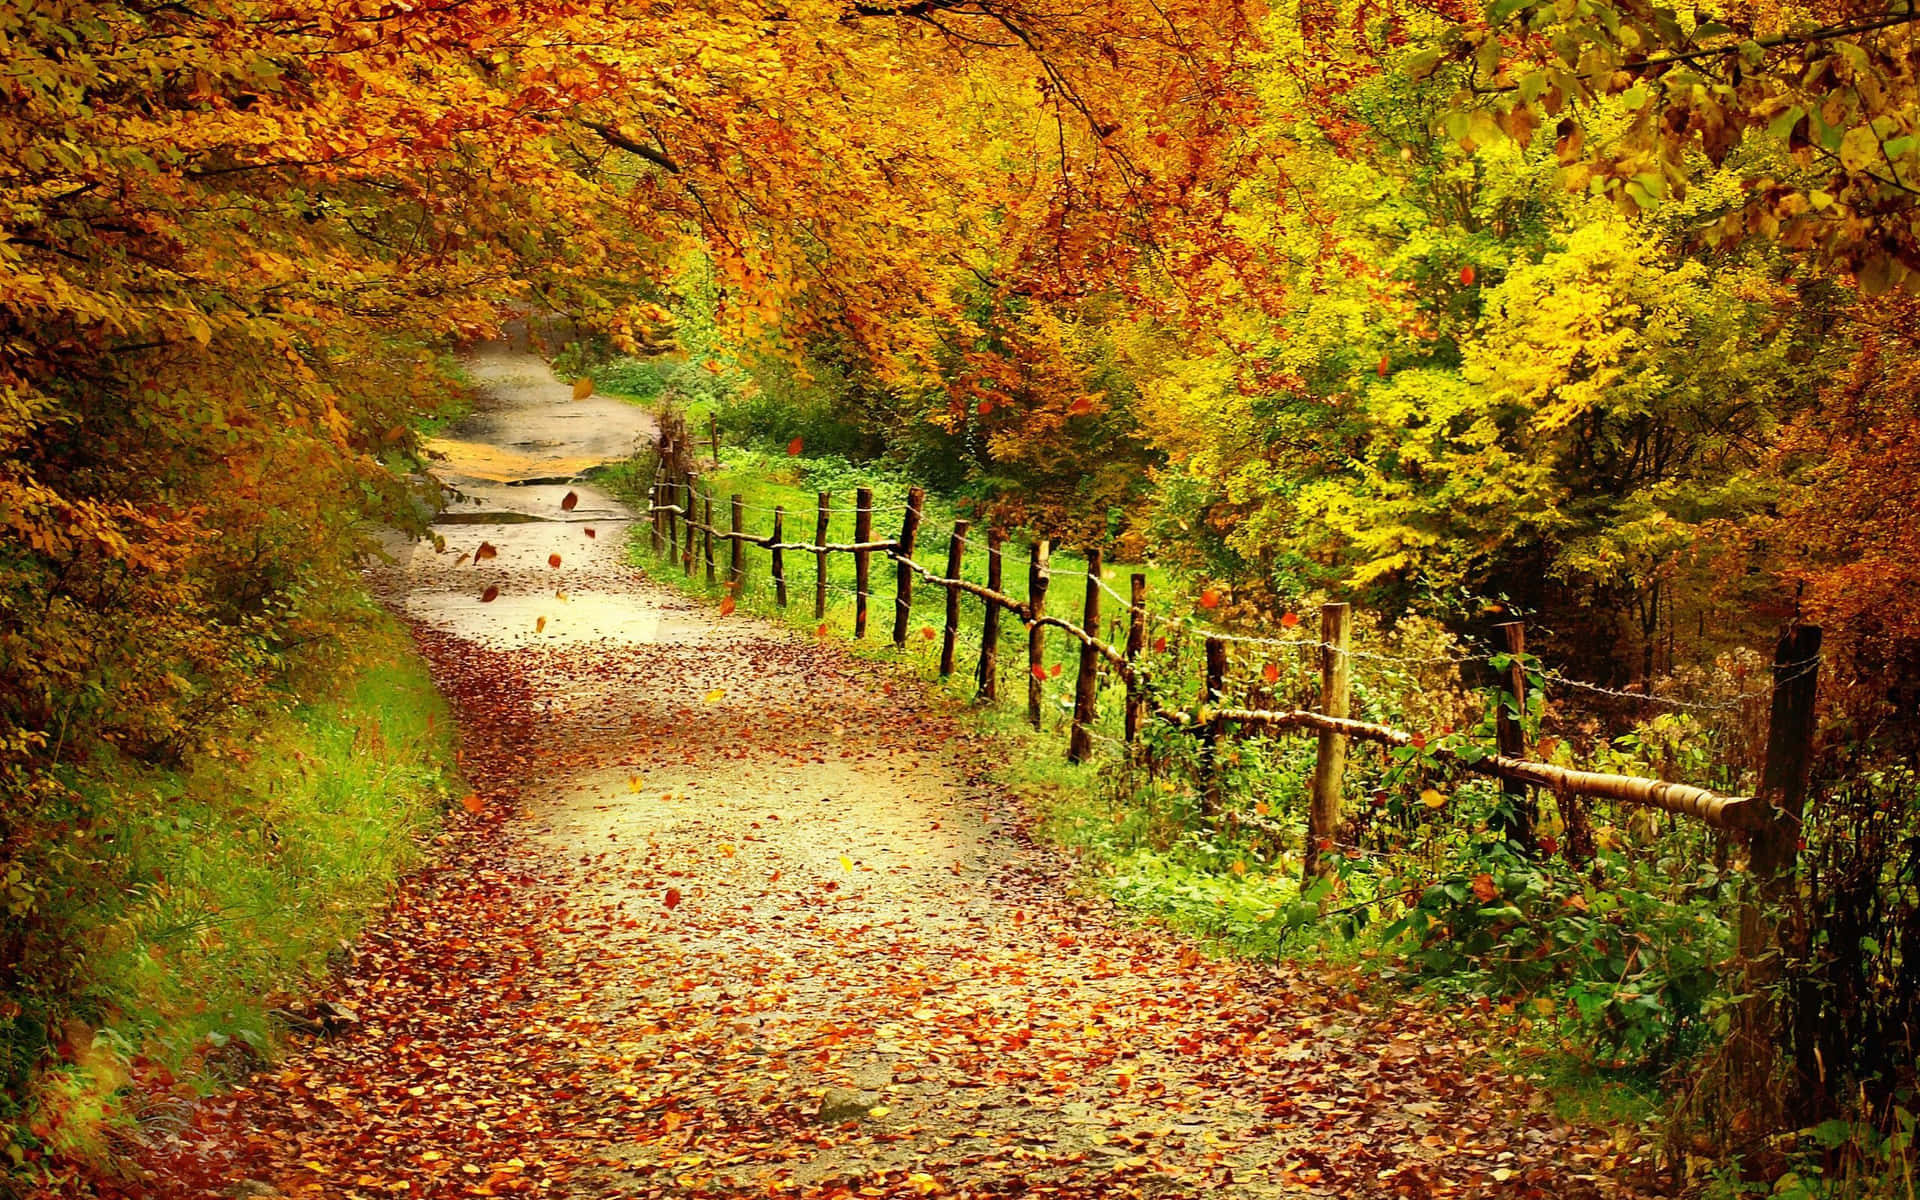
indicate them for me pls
(198, 898)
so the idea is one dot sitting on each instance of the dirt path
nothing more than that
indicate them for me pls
(736, 917)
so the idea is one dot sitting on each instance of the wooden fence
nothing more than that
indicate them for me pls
(1770, 821)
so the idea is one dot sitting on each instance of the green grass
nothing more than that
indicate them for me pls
(205, 895)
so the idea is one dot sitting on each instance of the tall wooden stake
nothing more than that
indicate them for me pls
(903, 573)
(693, 515)
(1086, 683)
(989, 674)
(673, 520)
(1330, 765)
(706, 532)
(823, 503)
(862, 532)
(1136, 644)
(653, 510)
(1774, 846)
(950, 634)
(713, 428)
(779, 558)
(1213, 693)
(1038, 576)
(1510, 732)
(736, 558)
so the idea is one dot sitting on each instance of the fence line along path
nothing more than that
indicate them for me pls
(1770, 820)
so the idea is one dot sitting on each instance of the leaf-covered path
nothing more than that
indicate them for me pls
(737, 915)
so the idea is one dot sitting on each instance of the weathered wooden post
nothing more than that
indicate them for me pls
(1038, 577)
(989, 675)
(779, 559)
(653, 512)
(1774, 844)
(1136, 644)
(693, 518)
(862, 534)
(1330, 764)
(823, 508)
(950, 634)
(1212, 693)
(673, 519)
(713, 428)
(903, 566)
(736, 558)
(1086, 683)
(706, 532)
(1510, 733)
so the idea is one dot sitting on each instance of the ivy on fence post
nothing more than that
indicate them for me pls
(1510, 732)
(1136, 643)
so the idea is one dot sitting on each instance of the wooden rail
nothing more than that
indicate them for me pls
(1759, 818)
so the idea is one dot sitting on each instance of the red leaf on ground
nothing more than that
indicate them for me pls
(553, 560)
(485, 552)
(1210, 599)
(726, 606)
(490, 595)
(672, 898)
(588, 531)
(568, 501)
(795, 446)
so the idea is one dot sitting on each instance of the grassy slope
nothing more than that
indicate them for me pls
(209, 893)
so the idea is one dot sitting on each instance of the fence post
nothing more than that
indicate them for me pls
(713, 428)
(1213, 692)
(653, 512)
(1038, 577)
(823, 509)
(1330, 764)
(1086, 684)
(706, 532)
(736, 559)
(1136, 644)
(1775, 840)
(779, 559)
(903, 569)
(862, 533)
(673, 519)
(950, 635)
(989, 674)
(693, 517)
(1510, 732)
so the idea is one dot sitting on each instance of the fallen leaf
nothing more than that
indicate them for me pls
(473, 803)
(1290, 621)
(588, 531)
(1210, 599)
(726, 606)
(568, 501)
(553, 560)
(490, 595)
(672, 898)
(795, 446)
(716, 695)
(540, 625)
(485, 552)
(1432, 798)
(1270, 673)
(582, 387)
